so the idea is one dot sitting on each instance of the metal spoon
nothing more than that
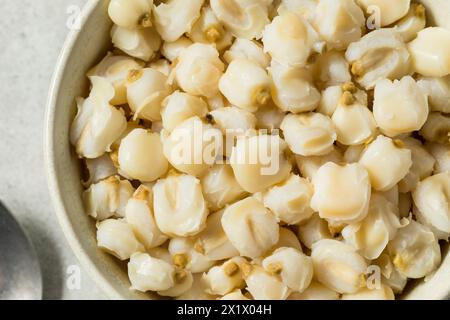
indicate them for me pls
(20, 273)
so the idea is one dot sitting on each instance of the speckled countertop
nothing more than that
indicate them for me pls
(32, 33)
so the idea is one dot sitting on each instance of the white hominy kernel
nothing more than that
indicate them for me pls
(131, 13)
(187, 253)
(193, 146)
(247, 49)
(371, 235)
(309, 134)
(244, 18)
(387, 162)
(437, 128)
(308, 166)
(138, 43)
(265, 286)
(422, 165)
(432, 198)
(245, 84)
(415, 251)
(259, 162)
(294, 268)
(199, 70)
(173, 18)
(235, 295)
(438, 91)
(115, 69)
(441, 153)
(223, 279)
(150, 274)
(117, 238)
(339, 22)
(179, 206)
(313, 230)
(220, 187)
(214, 241)
(183, 283)
(315, 291)
(208, 29)
(354, 122)
(139, 214)
(292, 88)
(289, 39)
(251, 228)
(399, 106)
(287, 238)
(389, 12)
(412, 23)
(380, 54)
(107, 198)
(146, 89)
(341, 193)
(172, 50)
(134, 159)
(331, 69)
(290, 200)
(97, 123)
(430, 52)
(338, 266)
(180, 106)
(383, 293)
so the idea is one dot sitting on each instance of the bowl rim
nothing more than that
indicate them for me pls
(58, 203)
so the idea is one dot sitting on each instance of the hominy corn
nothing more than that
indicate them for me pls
(134, 160)
(387, 161)
(399, 106)
(131, 13)
(339, 22)
(415, 251)
(117, 238)
(341, 193)
(138, 43)
(179, 206)
(270, 149)
(251, 228)
(148, 273)
(244, 18)
(290, 201)
(338, 266)
(173, 18)
(292, 88)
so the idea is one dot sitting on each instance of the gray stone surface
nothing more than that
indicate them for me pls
(32, 33)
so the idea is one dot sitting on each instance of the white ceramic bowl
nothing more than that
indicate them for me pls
(83, 49)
